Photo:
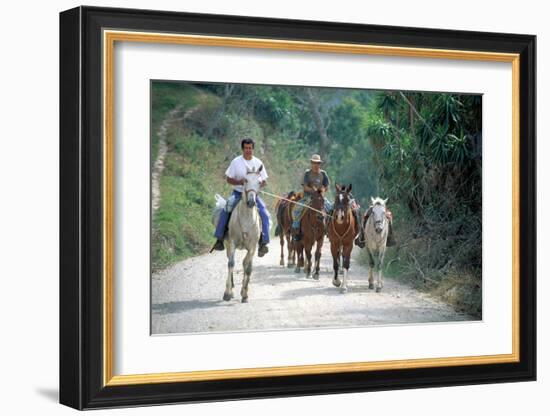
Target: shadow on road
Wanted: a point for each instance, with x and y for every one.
(176, 307)
(321, 288)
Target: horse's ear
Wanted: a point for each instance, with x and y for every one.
(372, 200)
(337, 187)
(349, 188)
(385, 200)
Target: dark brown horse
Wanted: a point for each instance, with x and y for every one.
(342, 230)
(313, 231)
(284, 221)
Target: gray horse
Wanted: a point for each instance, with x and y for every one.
(376, 235)
(243, 234)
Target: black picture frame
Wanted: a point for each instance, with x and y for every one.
(81, 201)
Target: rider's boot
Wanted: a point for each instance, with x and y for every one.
(263, 248)
(219, 246)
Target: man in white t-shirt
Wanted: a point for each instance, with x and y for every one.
(235, 174)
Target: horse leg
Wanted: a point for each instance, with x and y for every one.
(299, 248)
(308, 248)
(282, 241)
(346, 255)
(335, 259)
(318, 248)
(291, 252)
(228, 294)
(371, 267)
(379, 267)
(247, 271)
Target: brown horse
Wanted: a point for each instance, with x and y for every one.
(283, 209)
(342, 230)
(313, 231)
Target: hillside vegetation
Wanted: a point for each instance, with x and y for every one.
(198, 155)
(420, 150)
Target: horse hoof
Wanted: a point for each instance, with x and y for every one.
(336, 282)
(227, 296)
(244, 300)
(316, 276)
(308, 275)
(282, 263)
(297, 270)
(290, 266)
(343, 289)
(371, 286)
(378, 289)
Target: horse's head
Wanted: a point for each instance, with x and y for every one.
(342, 203)
(379, 214)
(318, 203)
(252, 186)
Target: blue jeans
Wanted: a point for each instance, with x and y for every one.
(231, 203)
(297, 211)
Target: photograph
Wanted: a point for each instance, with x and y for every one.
(282, 207)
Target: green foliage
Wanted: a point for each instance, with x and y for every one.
(428, 166)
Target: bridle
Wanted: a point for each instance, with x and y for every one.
(319, 215)
(384, 219)
(320, 212)
(340, 205)
(246, 191)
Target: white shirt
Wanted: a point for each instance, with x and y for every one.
(238, 167)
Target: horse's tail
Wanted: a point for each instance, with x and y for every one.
(278, 204)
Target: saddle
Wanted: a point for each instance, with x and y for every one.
(301, 209)
(367, 213)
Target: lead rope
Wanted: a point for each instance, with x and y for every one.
(295, 202)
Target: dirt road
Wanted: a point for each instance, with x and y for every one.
(187, 298)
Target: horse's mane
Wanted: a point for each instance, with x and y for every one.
(378, 201)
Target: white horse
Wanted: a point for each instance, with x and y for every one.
(376, 235)
(243, 233)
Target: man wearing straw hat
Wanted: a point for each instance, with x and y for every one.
(314, 179)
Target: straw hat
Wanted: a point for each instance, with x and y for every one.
(316, 158)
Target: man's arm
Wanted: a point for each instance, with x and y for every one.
(230, 173)
(326, 182)
(232, 181)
